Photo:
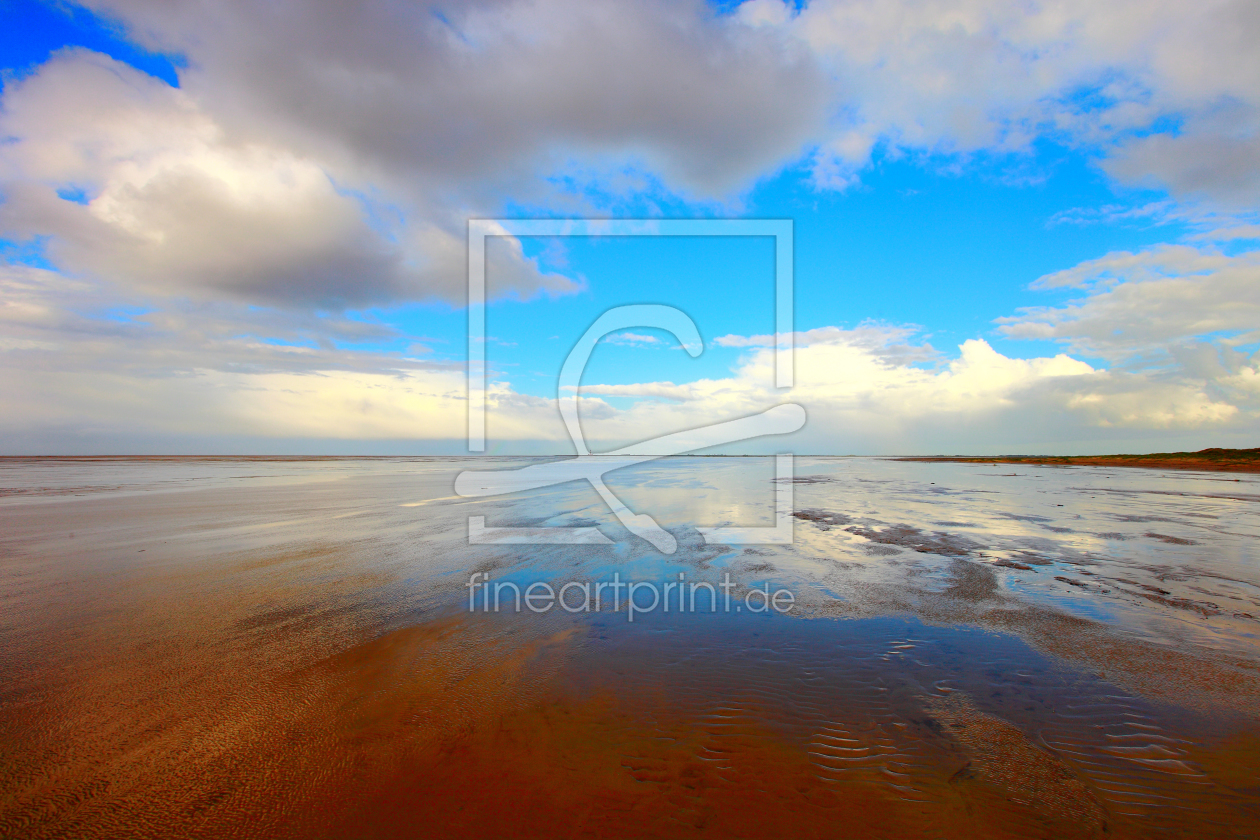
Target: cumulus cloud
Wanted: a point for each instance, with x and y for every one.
(328, 155)
(71, 362)
(1196, 165)
(960, 76)
(320, 156)
(453, 93)
(203, 371)
(861, 401)
(1137, 303)
(136, 184)
(440, 95)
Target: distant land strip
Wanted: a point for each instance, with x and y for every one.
(1223, 460)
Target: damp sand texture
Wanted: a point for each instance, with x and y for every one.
(283, 648)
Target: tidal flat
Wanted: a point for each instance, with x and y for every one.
(284, 647)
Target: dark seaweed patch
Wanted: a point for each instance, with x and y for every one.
(1169, 539)
(906, 536)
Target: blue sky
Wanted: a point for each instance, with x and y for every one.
(33, 31)
(913, 245)
(236, 233)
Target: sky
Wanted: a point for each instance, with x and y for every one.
(241, 228)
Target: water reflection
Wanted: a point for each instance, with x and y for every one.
(283, 648)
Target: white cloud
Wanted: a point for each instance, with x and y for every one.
(662, 390)
(973, 75)
(178, 206)
(78, 326)
(462, 95)
(860, 401)
(632, 339)
(323, 155)
(71, 365)
(1145, 302)
(889, 343)
(1230, 233)
(208, 372)
(448, 95)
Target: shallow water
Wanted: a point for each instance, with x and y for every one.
(284, 647)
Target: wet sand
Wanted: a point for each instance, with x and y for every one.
(236, 648)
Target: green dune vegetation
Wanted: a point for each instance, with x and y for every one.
(1225, 460)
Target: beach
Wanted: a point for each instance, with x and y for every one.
(289, 647)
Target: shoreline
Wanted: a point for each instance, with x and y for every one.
(1207, 460)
